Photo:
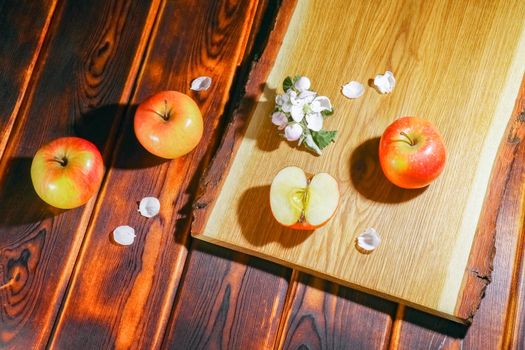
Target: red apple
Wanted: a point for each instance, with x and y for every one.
(168, 124)
(303, 203)
(67, 172)
(411, 152)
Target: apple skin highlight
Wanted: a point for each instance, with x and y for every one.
(67, 172)
(412, 153)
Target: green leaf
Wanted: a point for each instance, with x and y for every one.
(326, 113)
(287, 84)
(323, 138)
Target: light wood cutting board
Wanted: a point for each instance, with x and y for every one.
(457, 63)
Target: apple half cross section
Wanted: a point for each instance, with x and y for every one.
(301, 202)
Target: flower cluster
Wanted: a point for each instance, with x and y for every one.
(300, 112)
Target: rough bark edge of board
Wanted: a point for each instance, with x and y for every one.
(478, 273)
(262, 60)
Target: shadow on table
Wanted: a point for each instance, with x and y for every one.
(368, 178)
(258, 225)
(96, 125)
(435, 324)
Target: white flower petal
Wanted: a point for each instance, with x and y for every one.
(279, 100)
(368, 241)
(309, 140)
(353, 89)
(307, 95)
(385, 83)
(287, 107)
(321, 103)
(280, 119)
(303, 83)
(293, 132)
(201, 83)
(296, 100)
(149, 207)
(391, 78)
(314, 121)
(297, 113)
(124, 235)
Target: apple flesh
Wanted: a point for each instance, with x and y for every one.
(303, 203)
(67, 172)
(168, 124)
(411, 152)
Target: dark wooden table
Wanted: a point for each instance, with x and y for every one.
(70, 67)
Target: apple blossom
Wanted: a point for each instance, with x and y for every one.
(301, 113)
(302, 84)
(293, 132)
(280, 119)
(314, 121)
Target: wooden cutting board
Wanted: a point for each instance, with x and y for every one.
(458, 64)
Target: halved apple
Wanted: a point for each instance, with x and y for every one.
(301, 202)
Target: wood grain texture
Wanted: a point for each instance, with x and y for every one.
(494, 325)
(324, 315)
(128, 304)
(78, 85)
(23, 26)
(419, 42)
(227, 300)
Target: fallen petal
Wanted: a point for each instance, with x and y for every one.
(353, 89)
(385, 83)
(368, 241)
(149, 207)
(124, 235)
(201, 83)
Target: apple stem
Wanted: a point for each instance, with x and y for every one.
(167, 113)
(62, 161)
(410, 141)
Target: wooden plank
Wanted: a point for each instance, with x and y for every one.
(502, 219)
(130, 302)
(240, 310)
(227, 300)
(83, 78)
(23, 26)
(463, 57)
(324, 315)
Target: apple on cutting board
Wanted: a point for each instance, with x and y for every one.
(411, 152)
(168, 124)
(67, 172)
(301, 202)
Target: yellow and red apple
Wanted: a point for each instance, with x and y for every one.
(411, 152)
(67, 172)
(168, 124)
(301, 202)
